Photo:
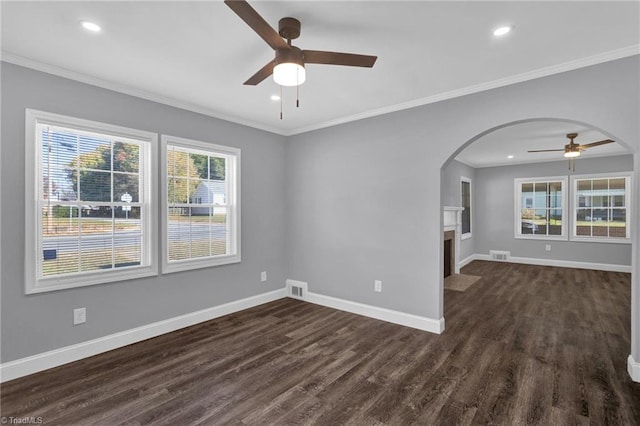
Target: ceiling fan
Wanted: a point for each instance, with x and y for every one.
(288, 66)
(572, 149)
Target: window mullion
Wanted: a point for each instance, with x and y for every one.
(78, 241)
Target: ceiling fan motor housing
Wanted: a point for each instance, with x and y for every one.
(293, 55)
(289, 28)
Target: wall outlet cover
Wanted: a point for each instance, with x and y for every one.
(79, 316)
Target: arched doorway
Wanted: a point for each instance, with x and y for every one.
(499, 236)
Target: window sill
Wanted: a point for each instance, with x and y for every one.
(601, 240)
(542, 237)
(44, 285)
(466, 236)
(189, 264)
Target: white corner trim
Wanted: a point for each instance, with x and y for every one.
(32, 364)
(555, 262)
(396, 317)
(468, 260)
(634, 369)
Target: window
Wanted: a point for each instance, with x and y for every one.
(540, 208)
(88, 203)
(201, 184)
(601, 207)
(465, 192)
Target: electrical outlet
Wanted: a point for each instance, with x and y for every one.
(79, 316)
(547, 247)
(377, 286)
(263, 276)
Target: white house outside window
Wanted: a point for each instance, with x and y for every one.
(88, 205)
(540, 208)
(601, 207)
(201, 184)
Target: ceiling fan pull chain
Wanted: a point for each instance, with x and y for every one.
(280, 102)
(297, 93)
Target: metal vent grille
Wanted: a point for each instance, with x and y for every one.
(296, 291)
(499, 255)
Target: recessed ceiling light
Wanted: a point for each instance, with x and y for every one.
(500, 31)
(91, 26)
(509, 157)
(275, 97)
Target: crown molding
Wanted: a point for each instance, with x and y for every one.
(128, 90)
(518, 78)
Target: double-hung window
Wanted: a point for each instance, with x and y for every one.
(601, 207)
(465, 192)
(201, 213)
(541, 208)
(89, 207)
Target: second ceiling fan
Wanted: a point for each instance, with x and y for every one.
(572, 149)
(288, 66)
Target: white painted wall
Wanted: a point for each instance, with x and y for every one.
(495, 213)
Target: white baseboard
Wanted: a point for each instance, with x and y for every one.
(634, 369)
(32, 364)
(396, 317)
(464, 262)
(554, 262)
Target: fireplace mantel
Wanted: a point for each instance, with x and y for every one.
(452, 220)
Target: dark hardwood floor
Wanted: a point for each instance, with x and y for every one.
(523, 345)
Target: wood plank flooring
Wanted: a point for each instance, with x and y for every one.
(523, 345)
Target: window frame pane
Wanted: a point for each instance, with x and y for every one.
(597, 216)
(36, 281)
(467, 203)
(197, 201)
(540, 202)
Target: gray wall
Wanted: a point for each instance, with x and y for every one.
(360, 201)
(364, 198)
(451, 196)
(495, 212)
(41, 322)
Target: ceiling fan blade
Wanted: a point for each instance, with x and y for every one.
(263, 73)
(249, 15)
(337, 58)
(592, 144)
(546, 150)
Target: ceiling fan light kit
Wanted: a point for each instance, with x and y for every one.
(570, 153)
(289, 69)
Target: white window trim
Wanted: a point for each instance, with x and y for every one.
(149, 267)
(628, 176)
(517, 216)
(233, 200)
(469, 234)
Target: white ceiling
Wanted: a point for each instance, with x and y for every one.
(196, 55)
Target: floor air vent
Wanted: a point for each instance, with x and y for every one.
(297, 289)
(499, 255)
